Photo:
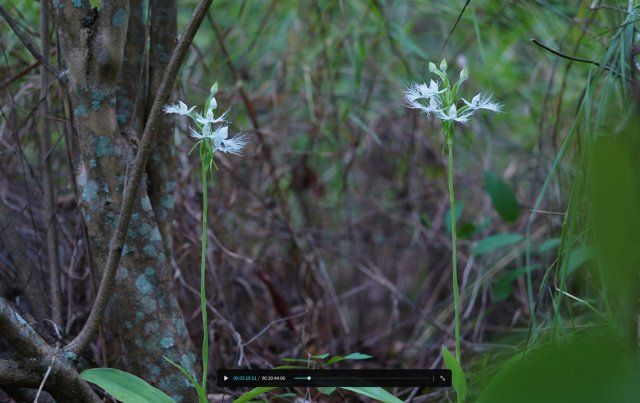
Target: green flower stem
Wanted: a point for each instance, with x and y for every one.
(203, 294)
(454, 248)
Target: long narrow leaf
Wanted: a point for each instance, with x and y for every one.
(374, 392)
(458, 379)
(255, 392)
(124, 386)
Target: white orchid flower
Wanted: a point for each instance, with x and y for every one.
(452, 114)
(434, 106)
(207, 133)
(210, 117)
(222, 142)
(234, 145)
(483, 101)
(441, 97)
(211, 132)
(219, 138)
(422, 91)
(180, 108)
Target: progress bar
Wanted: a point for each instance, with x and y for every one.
(238, 378)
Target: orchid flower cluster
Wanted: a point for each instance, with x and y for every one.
(440, 98)
(211, 132)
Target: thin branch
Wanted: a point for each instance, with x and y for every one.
(48, 372)
(90, 328)
(44, 145)
(577, 59)
(455, 25)
(568, 57)
(19, 75)
(27, 43)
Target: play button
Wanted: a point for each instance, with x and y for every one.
(226, 377)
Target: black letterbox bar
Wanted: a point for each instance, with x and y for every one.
(237, 378)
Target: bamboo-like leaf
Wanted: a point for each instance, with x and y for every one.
(352, 356)
(495, 242)
(374, 392)
(327, 390)
(502, 197)
(190, 378)
(255, 392)
(124, 386)
(458, 379)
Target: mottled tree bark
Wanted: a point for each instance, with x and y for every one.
(143, 311)
(162, 162)
(37, 356)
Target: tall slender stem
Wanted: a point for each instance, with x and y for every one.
(454, 247)
(203, 265)
(48, 184)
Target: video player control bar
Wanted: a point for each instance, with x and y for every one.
(237, 378)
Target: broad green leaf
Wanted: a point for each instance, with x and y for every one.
(458, 379)
(357, 356)
(502, 286)
(548, 245)
(255, 392)
(374, 392)
(562, 372)
(124, 386)
(495, 242)
(502, 197)
(614, 218)
(320, 356)
(327, 390)
(466, 230)
(334, 359)
(578, 257)
(352, 356)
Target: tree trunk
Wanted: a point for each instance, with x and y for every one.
(107, 86)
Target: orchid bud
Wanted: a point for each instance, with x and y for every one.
(464, 75)
(443, 65)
